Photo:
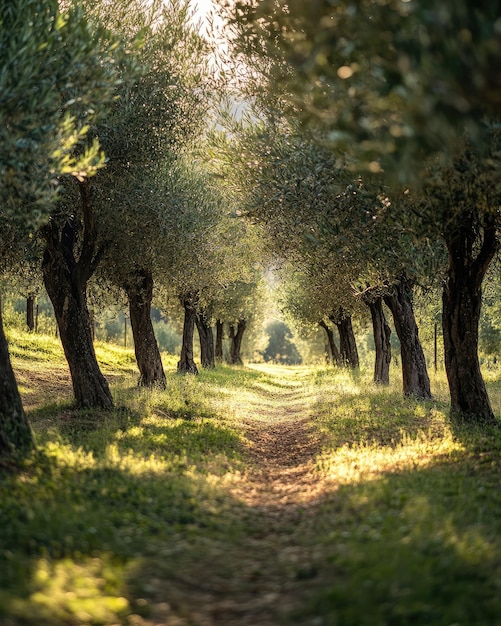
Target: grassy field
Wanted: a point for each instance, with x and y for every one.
(253, 496)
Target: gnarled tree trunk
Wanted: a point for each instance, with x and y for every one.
(334, 353)
(236, 336)
(66, 276)
(30, 312)
(186, 363)
(462, 298)
(414, 371)
(347, 342)
(206, 336)
(15, 433)
(139, 289)
(218, 354)
(382, 343)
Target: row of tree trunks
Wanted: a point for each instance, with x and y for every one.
(349, 354)
(139, 290)
(210, 351)
(414, 371)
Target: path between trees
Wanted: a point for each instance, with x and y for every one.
(282, 449)
(269, 571)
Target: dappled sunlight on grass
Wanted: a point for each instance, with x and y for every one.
(352, 463)
(64, 591)
(250, 495)
(378, 431)
(45, 348)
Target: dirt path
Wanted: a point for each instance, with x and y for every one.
(270, 570)
(269, 567)
(282, 449)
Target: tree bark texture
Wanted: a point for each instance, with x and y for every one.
(218, 353)
(139, 289)
(347, 343)
(382, 343)
(30, 312)
(15, 433)
(236, 336)
(206, 336)
(66, 276)
(461, 299)
(414, 372)
(186, 363)
(334, 353)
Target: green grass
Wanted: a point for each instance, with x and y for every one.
(132, 515)
(413, 533)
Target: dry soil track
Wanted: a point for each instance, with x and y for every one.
(269, 571)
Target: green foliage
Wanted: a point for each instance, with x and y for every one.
(151, 125)
(168, 338)
(56, 67)
(490, 322)
(383, 81)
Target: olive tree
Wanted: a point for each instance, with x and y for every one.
(201, 251)
(115, 217)
(145, 135)
(328, 223)
(404, 88)
(45, 111)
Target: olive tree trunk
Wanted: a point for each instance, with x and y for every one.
(139, 289)
(30, 312)
(68, 263)
(382, 342)
(347, 343)
(15, 433)
(186, 363)
(414, 371)
(236, 336)
(461, 299)
(206, 336)
(218, 353)
(334, 354)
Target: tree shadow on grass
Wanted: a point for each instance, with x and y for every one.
(73, 536)
(380, 418)
(412, 547)
(82, 543)
(197, 441)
